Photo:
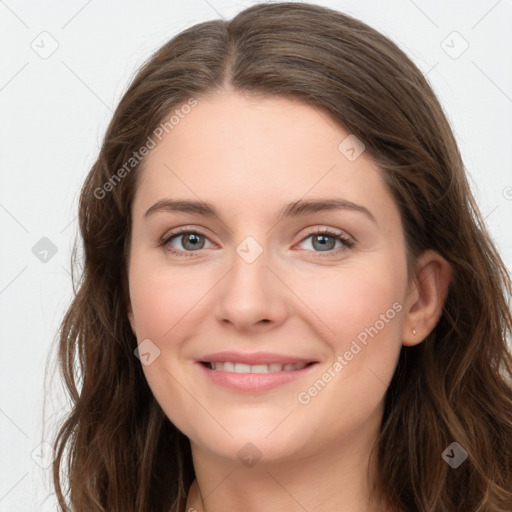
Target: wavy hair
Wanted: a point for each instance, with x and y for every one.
(116, 450)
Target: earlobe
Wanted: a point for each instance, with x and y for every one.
(426, 297)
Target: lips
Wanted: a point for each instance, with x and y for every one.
(253, 372)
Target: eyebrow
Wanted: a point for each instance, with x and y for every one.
(294, 209)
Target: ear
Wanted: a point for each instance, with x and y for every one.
(425, 297)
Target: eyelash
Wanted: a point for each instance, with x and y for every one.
(347, 242)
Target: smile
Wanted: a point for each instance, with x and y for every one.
(253, 373)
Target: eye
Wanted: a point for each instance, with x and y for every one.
(324, 240)
(189, 239)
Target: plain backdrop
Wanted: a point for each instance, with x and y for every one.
(64, 68)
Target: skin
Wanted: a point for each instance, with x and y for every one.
(249, 157)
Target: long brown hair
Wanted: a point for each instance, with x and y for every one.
(118, 450)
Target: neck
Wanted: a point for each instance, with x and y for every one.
(333, 478)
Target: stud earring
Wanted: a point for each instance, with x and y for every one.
(414, 331)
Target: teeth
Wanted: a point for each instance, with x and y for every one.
(228, 367)
(242, 368)
(255, 368)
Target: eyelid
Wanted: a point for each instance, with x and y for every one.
(320, 230)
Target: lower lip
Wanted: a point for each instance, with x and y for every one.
(254, 382)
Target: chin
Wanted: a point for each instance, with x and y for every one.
(252, 442)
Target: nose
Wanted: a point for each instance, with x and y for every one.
(252, 296)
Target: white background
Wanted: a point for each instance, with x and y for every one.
(54, 113)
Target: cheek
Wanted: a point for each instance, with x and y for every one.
(166, 305)
(352, 301)
(363, 314)
(161, 299)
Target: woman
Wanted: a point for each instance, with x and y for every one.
(289, 298)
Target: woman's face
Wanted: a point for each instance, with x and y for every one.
(268, 277)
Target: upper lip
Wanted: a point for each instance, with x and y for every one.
(253, 358)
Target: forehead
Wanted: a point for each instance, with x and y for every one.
(241, 153)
